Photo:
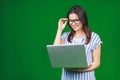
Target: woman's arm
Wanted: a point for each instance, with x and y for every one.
(58, 39)
(95, 63)
(96, 60)
(61, 25)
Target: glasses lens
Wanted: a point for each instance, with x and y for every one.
(76, 21)
(70, 21)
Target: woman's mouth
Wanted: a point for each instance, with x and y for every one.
(74, 27)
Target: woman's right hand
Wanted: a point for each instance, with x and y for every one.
(62, 23)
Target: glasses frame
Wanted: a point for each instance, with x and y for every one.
(76, 21)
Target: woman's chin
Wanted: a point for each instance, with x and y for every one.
(75, 29)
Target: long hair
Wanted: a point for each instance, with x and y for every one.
(78, 10)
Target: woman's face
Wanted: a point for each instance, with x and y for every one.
(74, 22)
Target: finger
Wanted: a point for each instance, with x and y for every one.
(65, 22)
(63, 19)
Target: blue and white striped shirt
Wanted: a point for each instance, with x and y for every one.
(92, 45)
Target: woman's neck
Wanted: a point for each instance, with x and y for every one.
(79, 34)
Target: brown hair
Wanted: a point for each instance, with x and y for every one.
(83, 18)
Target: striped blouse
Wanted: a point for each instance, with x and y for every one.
(92, 45)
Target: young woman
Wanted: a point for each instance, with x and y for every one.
(80, 34)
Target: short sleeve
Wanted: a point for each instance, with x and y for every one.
(96, 41)
(65, 35)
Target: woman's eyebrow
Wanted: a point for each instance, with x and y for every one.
(73, 19)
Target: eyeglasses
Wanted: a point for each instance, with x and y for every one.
(76, 21)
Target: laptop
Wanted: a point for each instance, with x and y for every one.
(67, 56)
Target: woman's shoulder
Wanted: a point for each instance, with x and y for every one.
(95, 37)
(94, 34)
(66, 33)
(95, 40)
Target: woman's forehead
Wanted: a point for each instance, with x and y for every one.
(73, 16)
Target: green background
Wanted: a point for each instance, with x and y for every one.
(27, 26)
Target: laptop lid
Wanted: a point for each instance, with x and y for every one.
(67, 56)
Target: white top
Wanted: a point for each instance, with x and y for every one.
(92, 45)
